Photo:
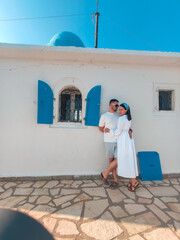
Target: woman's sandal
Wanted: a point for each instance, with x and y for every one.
(132, 188)
(129, 185)
(113, 185)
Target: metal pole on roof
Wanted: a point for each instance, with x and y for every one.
(97, 14)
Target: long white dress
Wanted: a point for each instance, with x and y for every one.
(126, 153)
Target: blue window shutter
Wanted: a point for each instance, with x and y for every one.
(45, 103)
(93, 106)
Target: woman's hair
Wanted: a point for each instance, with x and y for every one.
(128, 113)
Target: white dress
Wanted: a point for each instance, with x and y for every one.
(126, 153)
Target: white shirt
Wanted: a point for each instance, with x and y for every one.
(109, 120)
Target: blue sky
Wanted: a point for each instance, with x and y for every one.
(150, 25)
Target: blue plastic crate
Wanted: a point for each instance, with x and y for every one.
(150, 166)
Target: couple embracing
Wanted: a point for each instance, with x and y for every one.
(119, 145)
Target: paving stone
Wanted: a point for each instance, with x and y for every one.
(55, 191)
(66, 228)
(66, 181)
(177, 187)
(49, 223)
(1, 190)
(99, 191)
(175, 207)
(11, 201)
(23, 191)
(82, 197)
(39, 184)
(32, 199)
(177, 227)
(127, 192)
(144, 200)
(40, 191)
(43, 199)
(104, 228)
(96, 198)
(26, 207)
(115, 195)
(9, 185)
(51, 184)
(61, 200)
(174, 181)
(76, 184)
(174, 215)
(169, 199)
(146, 182)
(140, 223)
(143, 192)
(40, 211)
(163, 216)
(135, 208)
(24, 185)
(163, 191)
(159, 204)
(69, 191)
(89, 185)
(129, 201)
(160, 234)
(95, 208)
(72, 212)
(136, 237)
(6, 194)
(65, 204)
(51, 204)
(118, 212)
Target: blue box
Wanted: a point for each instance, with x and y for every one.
(150, 166)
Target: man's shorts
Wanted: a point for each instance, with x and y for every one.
(111, 149)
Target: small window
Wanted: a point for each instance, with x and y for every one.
(166, 102)
(70, 105)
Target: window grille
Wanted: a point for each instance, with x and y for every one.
(165, 100)
(70, 105)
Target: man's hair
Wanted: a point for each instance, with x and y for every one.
(113, 100)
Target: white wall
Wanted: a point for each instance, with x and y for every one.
(29, 149)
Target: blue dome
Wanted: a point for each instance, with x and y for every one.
(66, 39)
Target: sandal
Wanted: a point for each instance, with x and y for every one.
(129, 185)
(113, 185)
(132, 188)
(104, 180)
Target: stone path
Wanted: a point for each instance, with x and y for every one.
(87, 209)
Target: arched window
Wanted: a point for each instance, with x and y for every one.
(70, 105)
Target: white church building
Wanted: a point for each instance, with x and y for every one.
(51, 98)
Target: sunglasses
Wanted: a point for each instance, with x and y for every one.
(116, 105)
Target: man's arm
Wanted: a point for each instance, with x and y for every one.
(101, 129)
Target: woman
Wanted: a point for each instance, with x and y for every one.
(126, 154)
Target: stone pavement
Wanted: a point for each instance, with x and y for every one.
(87, 209)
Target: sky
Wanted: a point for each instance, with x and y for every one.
(150, 25)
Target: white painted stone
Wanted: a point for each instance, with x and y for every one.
(163, 191)
(23, 191)
(174, 215)
(163, 216)
(43, 199)
(40, 192)
(115, 195)
(143, 192)
(175, 207)
(51, 184)
(117, 211)
(6, 194)
(169, 199)
(82, 197)
(49, 223)
(104, 228)
(69, 191)
(66, 228)
(160, 234)
(39, 184)
(134, 208)
(11, 201)
(95, 208)
(98, 192)
(159, 204)
(61, 200)
(140, 223)
(72, 212)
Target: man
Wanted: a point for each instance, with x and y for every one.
(109, 120)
